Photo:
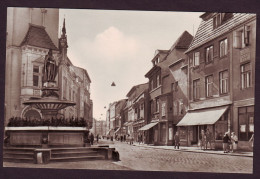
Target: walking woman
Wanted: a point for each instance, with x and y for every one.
(234, 142)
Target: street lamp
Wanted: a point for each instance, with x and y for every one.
(113, 84)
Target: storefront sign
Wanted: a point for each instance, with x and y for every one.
(251, 128)
(170, 133)
(242, 128)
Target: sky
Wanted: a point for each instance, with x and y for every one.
(118, 46)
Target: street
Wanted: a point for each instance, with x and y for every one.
(155, 159)
(150, 159)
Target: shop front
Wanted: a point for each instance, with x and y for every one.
(148, 132)
(136, 126)
(214, 120)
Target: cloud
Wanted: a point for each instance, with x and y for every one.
(111, 45)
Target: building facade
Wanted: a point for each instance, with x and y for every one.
(221, 77)
(31, 32)
(168, 89)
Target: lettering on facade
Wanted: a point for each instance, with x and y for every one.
(244, 55)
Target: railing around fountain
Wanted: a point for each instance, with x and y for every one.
(56, 122)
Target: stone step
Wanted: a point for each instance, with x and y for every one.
(18, 160)
(73, 154)
(18, 155)
(54, 150)
(73, 159)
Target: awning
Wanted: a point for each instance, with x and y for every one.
(109, 131)
(117, 130)
(202, 116)
(148, 126)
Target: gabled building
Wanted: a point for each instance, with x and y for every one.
(163, 83)
(119, 117)
(221, 77)
(31, 32)
(132, 94)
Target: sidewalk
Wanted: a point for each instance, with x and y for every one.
(197, 150)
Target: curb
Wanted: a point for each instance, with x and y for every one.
(186, 150)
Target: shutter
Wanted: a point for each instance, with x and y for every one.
(237, 42)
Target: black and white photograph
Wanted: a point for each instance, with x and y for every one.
(129, 90)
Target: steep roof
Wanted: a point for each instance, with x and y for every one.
(183, 41)
(38, 37)
(206, 32)
(139, 87)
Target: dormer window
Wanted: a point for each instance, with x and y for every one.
(217, 20)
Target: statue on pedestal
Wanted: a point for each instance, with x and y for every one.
(50, 68)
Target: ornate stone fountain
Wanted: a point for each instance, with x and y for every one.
(49, 104)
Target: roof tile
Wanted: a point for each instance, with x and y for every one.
(37, 36)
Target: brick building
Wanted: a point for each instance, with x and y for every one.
(221, 77)
(165, 81)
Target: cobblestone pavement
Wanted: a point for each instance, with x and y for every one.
(155, 159)
(94, 165)
(152, 159)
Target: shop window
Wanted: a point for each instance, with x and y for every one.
(209, 54)
(223, 48)
(209, 86)
(223, 82)
(245, 76)
(221, 126)
(196, 91)
(246, 122)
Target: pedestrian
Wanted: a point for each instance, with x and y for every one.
(91, 139)
(252, 140)
(97, 138)
(131, 140)
(208, 139)
(139, 138)
(176, 140)
(226, 141)
(234, 142)
(202, 140)
(124, 138)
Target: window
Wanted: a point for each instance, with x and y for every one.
(157, 105)
(196, 59)
(217, 20)
(209, 54)
(242, 37)
(246, 122)
(196, 92)
(223, 82)
(176, 86)
(223, 48)
(173, 86)
(163, 108)
(65, 88)
(36, 75)
(209, 86)
(245, 76)
(158, 80)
